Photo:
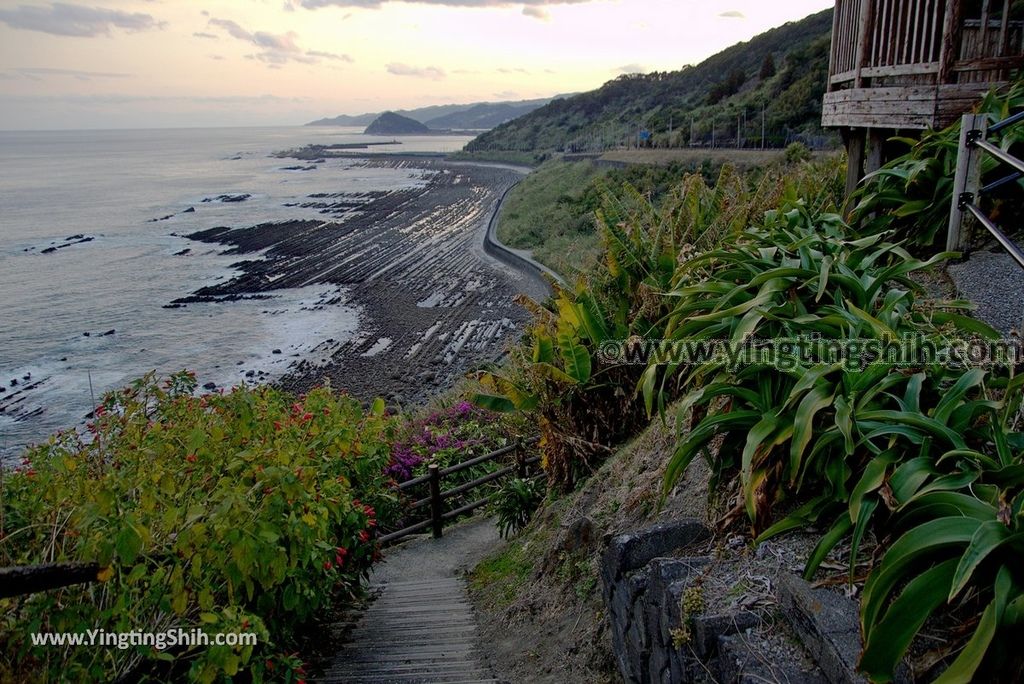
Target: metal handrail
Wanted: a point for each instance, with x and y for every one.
(1000, 237)
(967, 188)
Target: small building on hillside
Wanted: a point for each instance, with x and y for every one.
(906, 65)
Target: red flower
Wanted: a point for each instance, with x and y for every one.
(364, 536)
(327, 565)
(307, 417)
(191, 458)
(327, 411)
(100, 411)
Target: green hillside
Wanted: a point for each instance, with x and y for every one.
(783, 70)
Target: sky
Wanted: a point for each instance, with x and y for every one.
(184, 63)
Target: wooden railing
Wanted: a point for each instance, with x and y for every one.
(436, 497)
(927, 42)
(18, 581)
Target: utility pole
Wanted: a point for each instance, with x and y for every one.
(762, 125)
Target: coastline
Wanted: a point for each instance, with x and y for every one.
(434, 287)
(428, 292)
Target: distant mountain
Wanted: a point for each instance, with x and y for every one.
(483, 116)
(782, 71)
(346, 120)
(390, 123)
(479, 115)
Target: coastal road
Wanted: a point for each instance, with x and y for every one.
(434, 287)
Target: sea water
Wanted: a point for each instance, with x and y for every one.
(114, 187)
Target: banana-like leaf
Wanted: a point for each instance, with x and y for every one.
(543, 349)
(575, 358)
(494, 403)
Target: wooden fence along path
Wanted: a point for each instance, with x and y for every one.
(421, 627)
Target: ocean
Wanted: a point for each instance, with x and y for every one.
(91, 226)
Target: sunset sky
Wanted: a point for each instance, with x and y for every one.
(167, 63)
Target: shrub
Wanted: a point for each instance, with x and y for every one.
(796, 153)
(242, 512)
(873, 445)
(911, 195)
(515, 503)
(559, 373)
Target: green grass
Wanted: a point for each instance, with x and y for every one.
(504, 574)
(530, 159)
(544, 214)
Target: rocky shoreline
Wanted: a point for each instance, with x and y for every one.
(433, 302)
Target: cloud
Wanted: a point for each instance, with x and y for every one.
(507, 95)
(201, 34)
(276, 49)
(232, 27)
(40, 73)
(536, 13)
(329, 55)
(399, 69)
(377, 4)
(63, 19)
(733, 14)
(632, 69)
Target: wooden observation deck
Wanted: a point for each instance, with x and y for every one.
(914, 64)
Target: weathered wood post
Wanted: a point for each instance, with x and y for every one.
(966, 181)
(520, 460)
(436, 502)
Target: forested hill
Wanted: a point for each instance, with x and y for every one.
(783, 70)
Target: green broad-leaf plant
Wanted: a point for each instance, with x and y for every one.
(910, 196)
(239, 512)
(849, 444)
(583, 395)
